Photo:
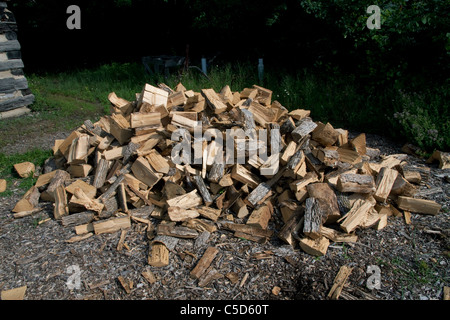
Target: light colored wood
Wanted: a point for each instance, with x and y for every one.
(339, 282)
(402, 187)
(325, 134)
(323, 191)
(111, 225)
(305, 127)
(2, 185)
(329, 156)
(442, 157)
(299, 114)
(298, 185)
(359, 144)
(248, 93)
(153, 96)
(149, 276)
(176, 99)
(25, 169)
(158, 162)
(356, 215)
(126, 285)
(89, 191)
(120, 128)
(65, 145)
(446, 294)
(241, 174)
(214, 101)
(412, 176)
(80, 198)
(14, 294)
(385, 181)
(61, 209)
(84, 228)
(407, 217)
(260, 217)
(186, 201)
(79, 150)
(263, 95)
(342, 137)
(419, 205)
(262, 114)
(79, 170)
(337, 236)
(317, 247)
(359, 183)
(117, 101)
(44, 179)
(152, 119)
(79, 237)
(349, 156)
(29, 200)
(180, 214)
(204, 262)
(144, 172)
(288, 152)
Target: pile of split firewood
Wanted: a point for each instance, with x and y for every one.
(121, 170)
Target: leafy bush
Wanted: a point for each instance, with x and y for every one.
(424, 119)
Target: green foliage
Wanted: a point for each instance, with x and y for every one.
(424, 119)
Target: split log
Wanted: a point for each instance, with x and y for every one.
(186, 201)
(214, 101)
(144, 172)
(210, 213)
(25, 169)
(339, 282)
(61, 209)
(111, 225)
(305, 127)
(287, 232)
(201, 187)
(2, 185)
(329, 203)
(260, 217)
(180, 214)
(356, 215)
(385, 181)
(88, 190)
(418, 205)
(358, 183)
(317, 247)
(29, 200)
(325, 134)
(241, 174)
(313, 218)
(159, 256)
(204, 262)
(77, 219)
(101, 172)
(337, 236)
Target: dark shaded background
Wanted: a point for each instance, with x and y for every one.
(280, 31)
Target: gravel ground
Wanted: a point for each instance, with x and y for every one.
(412, 261)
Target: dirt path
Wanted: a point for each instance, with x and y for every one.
(412, 260)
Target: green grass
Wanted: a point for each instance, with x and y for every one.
(13, 180)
